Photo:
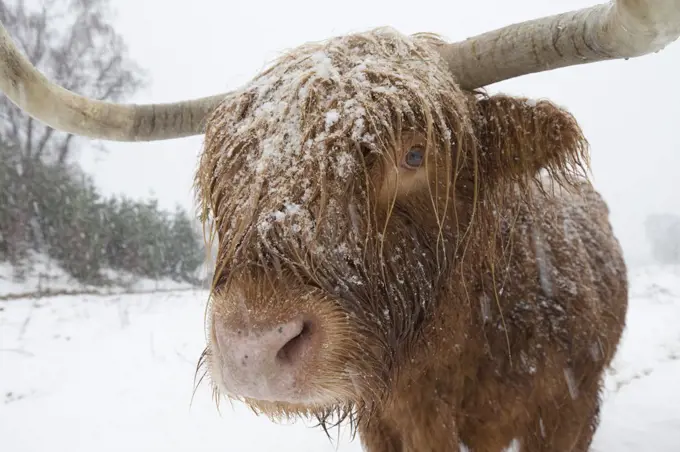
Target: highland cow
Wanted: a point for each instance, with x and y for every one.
(397, 248)
(429, 261)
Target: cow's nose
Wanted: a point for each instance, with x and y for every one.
(266, 363)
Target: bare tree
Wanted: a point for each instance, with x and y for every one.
(73, 42)
(75, 45)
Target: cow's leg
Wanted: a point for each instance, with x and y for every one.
(379, 436)
(568, 426)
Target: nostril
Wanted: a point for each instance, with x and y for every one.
(295, 348)
(269, 362)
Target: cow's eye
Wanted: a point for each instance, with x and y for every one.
(414, 157)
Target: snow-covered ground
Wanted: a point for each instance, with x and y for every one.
(115, 373)
(44, 276)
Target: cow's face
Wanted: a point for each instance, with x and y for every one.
(343, 183)
(329, 177)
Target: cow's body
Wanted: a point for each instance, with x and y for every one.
(562, 290)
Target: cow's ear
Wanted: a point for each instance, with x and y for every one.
(518, 137)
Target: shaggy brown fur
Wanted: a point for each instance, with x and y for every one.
(476, 299)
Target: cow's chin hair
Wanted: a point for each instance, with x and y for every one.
(346, 379)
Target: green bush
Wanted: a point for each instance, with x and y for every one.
(57, 210)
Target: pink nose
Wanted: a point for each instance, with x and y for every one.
(266, 364)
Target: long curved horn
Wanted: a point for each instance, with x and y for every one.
(69, 112)
(618, 29)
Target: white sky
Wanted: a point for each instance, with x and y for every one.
(629, 110)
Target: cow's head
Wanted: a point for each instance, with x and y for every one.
(342, 182)
(347, 181)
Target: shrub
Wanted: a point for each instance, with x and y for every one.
(56, 209)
